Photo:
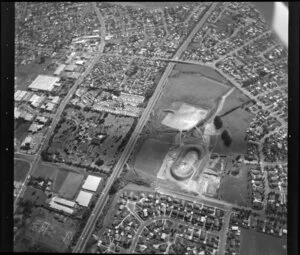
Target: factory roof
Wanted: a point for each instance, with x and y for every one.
(84, 198)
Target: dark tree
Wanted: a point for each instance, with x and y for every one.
(226, 138)
(218, 122)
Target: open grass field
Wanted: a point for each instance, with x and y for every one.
(60, 175)
(21, 129)
(59, 180)
(202, 70)
(71, 185)
(233, 189)
(21, 169)
(46, 171)
(261, 244)
(150, 156)
(235, 99)
(236, 123)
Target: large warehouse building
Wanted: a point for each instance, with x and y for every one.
(44, 83)
(91, 183)
(84, 198)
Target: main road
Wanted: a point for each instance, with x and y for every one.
(65, 101)
(87, 231)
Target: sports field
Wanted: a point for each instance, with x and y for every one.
(261, 244)
(71, 185)
(46, 171)
(61, 176)
(21, 169)
(150, 156)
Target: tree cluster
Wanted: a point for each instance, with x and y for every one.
(226, 138)
(218, 122)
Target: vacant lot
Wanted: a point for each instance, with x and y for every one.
(21, 169)
(261, 244)
(233, 189)
(150, 156)
(71, 185)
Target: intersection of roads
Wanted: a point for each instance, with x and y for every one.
(35, 159)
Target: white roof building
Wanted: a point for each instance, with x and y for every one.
(91, 183)
(60, 207)
(59, 69)
(63, 201)
(84, 198)
(44, 82)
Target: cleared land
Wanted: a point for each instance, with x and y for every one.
(185, 118)
(21, 169)
(261, 244)
(71, 185)
(234, 188)
(150, 156)
(187, 85)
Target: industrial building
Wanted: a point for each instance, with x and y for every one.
(91, 183)
(44, 83)
(63, 201)
(59, 69)
(84, 198)
(59, 207)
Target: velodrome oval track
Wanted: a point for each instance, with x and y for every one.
(87, 231)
